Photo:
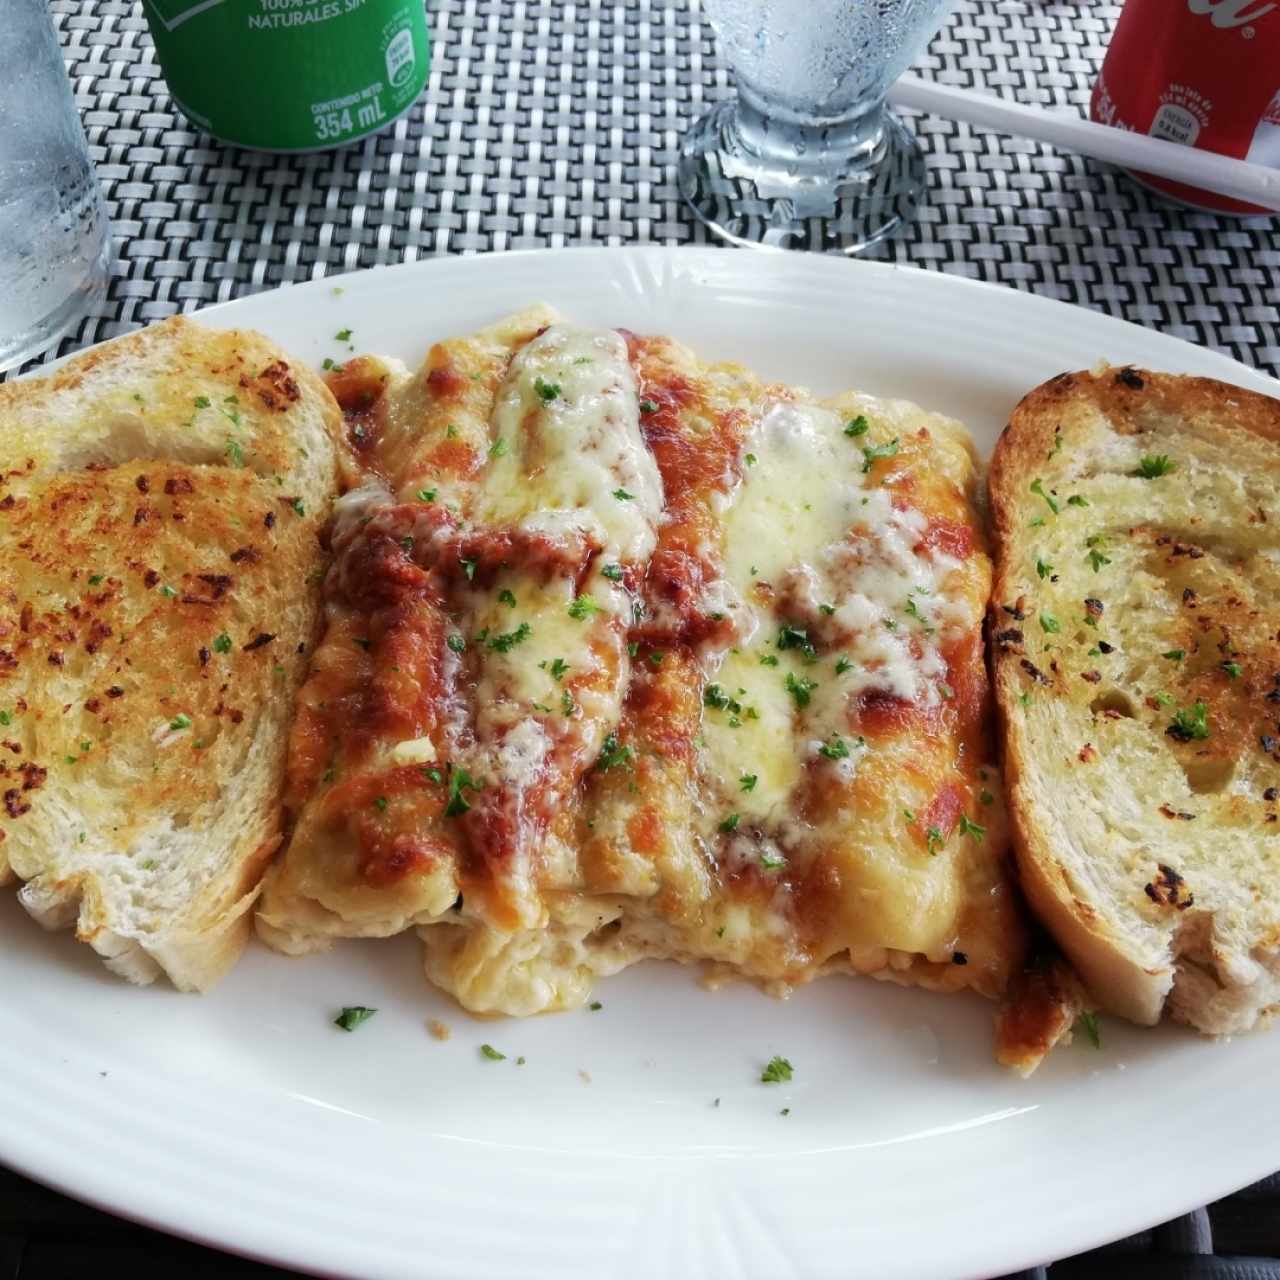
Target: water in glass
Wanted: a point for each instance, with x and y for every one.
(54, 246)
(806, 154)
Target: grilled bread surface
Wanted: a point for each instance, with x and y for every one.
(1135, 628)
(160, 504)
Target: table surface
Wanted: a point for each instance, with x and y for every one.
(555, 122)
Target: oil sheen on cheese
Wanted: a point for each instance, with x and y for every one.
(814, 544)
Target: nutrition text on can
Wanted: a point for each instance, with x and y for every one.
(291, 75)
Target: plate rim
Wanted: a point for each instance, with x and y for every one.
(60, 1173)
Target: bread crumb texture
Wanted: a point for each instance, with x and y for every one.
(1136, 635)
(160, 500)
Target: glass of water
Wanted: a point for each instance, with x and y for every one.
(807, 155)
(54, 243)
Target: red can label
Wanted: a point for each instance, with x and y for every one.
(1203, 73)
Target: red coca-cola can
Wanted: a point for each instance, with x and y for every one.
(1203, 73)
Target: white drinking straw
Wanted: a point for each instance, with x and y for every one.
(1253, 183)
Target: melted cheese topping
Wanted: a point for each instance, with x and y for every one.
(708, 668)
(567, 440)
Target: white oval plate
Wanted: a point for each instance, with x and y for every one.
(637, 1141)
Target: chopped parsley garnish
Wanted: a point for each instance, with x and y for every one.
(874, 453)
(343, 335)
(1174, 655)
(1043, 568)
(731, 823)
(714, 696)
(488, 1051)
(1233, 670)
(613, 572)
(778, 1071)
(1057, 443)
(934, 839)
(1037, 487)
(469, 568)
(648, 406)
(426, 495)
(768, 660)
(381, 804)
(633, 648)
(1077, 500)
(583, 607)
(836, 749)
(858, 426)
(842, 665)
(1089, 1021)
(909, 814)
(968, 828)
(456, 643)
(790, 637)
(1097, 559)
(296, 504)
(1049, 623)
(1154, 465)
(913, 609)
(557, 668)
(169, 593)
(406, 543)
(235, 454)
(202, 402)
(507, 598)
(800, 688)
(747, 782)
(547, 391)
(655, 658)
(1189, 724)
(622, 495)
(770, 861)
(595, 1006)
(1164, 699)
(433, 775)
(567, 704)
(498, 448)
(508, 640)
(6, 717)
(460, 779)
(751, 459)
(352, 1016)
(826, 609)
(180, 721)
(612, 755)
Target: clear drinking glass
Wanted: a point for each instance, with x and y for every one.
(806, 155)
(54, 243)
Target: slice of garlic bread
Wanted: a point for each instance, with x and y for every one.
(1135, 629)
(160, 504)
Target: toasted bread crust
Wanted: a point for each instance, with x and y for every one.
(161, 499)
(1063, 436)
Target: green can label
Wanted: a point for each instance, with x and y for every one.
(291, 75)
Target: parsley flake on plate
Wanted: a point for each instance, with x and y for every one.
(778, 1071)
(352, 1016)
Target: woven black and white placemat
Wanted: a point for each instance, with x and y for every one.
(555, 122)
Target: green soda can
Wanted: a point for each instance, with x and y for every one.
(291, 75)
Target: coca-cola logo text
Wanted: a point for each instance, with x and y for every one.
(1230, 13)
